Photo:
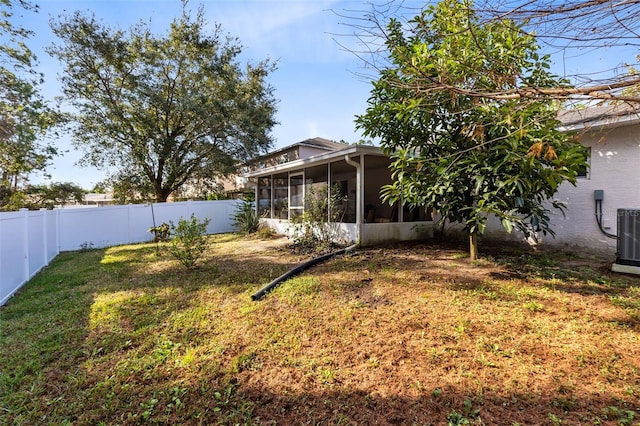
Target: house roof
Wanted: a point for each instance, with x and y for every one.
(597, 117)
(322, 143)
(329, 157)
(93, 197)
(316, 142)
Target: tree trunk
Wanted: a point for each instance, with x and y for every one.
(161, 196)
(473, 245)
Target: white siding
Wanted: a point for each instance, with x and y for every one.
(309, 151)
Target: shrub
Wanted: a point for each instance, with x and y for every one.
(245, 219)
(188, 241)
(316, 230)
(160, 232)
(265, 233)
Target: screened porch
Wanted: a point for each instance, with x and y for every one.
(355, 176)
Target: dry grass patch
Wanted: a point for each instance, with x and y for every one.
(410, 334)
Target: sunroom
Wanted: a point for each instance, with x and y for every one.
(357, 172)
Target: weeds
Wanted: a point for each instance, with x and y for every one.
(299, 287)
(177, 395)
(246, 362)
(468, 416)
(534, 306)
(408, 334)
(624, 417)
(86, 246)
(555, 420)
(234, 410)
(265, 233)
(148, 408)
(317, 229)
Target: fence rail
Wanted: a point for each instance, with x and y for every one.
(29, 240)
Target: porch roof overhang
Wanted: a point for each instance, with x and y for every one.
(317, 160)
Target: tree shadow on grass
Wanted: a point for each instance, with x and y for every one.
(438, 406)
(244, 401)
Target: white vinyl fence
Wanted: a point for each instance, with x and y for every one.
(29, 240)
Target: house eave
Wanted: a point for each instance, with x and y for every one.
(599, 124)
(316, 160)
(609, 118)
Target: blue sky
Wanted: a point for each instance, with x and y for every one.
(316, 84)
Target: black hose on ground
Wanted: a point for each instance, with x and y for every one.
(298, 269)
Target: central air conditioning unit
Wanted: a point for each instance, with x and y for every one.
(628, 241)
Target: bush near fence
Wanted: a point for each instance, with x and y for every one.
(29, 240)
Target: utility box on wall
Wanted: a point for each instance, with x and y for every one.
(628, 256)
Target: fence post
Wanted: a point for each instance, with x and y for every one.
(45, 236)
(1, 274)
(129, 213)
(25, 240)
(58, 230)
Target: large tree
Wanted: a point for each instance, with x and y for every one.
(163, 110)
(24, 115)
(52, 195)
(469, 156)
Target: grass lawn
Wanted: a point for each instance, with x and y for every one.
(410, 334)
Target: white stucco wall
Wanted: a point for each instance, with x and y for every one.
(378, 233)
(615, 168)
(370, 233)
(345, 232)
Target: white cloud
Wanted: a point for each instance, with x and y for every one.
(296, 30)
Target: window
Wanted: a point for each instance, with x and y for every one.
(280, 198)
(264, 197)
(584, 171)
(296, 194)
(284, 158)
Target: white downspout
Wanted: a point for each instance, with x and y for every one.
(329, 192)
(358, 167)
(256, 193)
(272, 190)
